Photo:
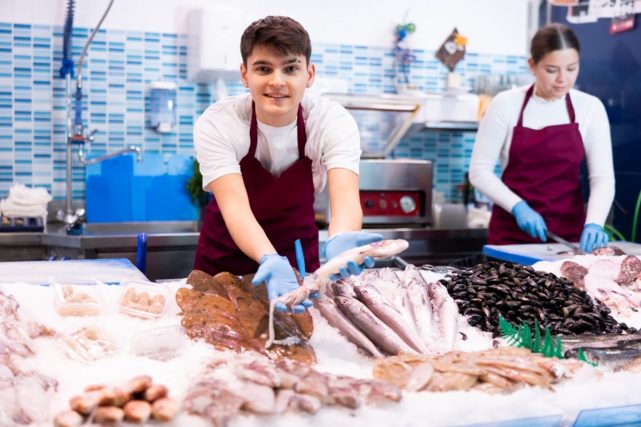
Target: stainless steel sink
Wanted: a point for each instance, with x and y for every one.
(129, 228)
(171, 244)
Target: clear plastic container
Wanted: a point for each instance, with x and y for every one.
(143, 299)
(89, 342)
(162, 343)
(78, 296)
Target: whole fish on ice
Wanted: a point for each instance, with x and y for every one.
(317, 281)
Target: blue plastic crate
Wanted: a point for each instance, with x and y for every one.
(122, 190)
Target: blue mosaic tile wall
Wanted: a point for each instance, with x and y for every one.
(121, 63)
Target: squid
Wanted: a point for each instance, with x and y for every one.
(318, 280)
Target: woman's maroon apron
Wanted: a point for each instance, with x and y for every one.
(543, 169)
(283, 206)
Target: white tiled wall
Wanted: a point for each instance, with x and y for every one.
(121, 63)
(493, 26)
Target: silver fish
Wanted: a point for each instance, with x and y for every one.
(447, 313)
(388, 314)
(600, 341)
(318, 280)
(420, 304)
(400, 298)
(343, 287)
(387, 288)
(611, 357)
(337, 319)
(381, 334)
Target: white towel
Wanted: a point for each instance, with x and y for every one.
(25, 202)
(22, 195)
(14, 210)
(478, 217)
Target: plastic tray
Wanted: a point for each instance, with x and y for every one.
(143, 299)
(78, 296)
(162, 343)
(89, 342)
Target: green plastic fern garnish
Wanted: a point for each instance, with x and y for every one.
(536, 345)
(509, 333)
(583, 358)
(522, 337)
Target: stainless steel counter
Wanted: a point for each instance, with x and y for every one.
(14, 239)
(21, 246)
(171, 246)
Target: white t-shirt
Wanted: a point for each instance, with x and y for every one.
(221, 139)
(494, 138)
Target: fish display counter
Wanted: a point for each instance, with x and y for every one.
(418, 346)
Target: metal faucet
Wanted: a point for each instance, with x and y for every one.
(75, 131)
(73, 220)
(94, 160)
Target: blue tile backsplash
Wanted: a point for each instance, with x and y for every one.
(118, 68)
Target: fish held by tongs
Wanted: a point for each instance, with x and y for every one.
(318, 280)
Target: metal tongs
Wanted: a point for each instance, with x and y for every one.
(564, 242)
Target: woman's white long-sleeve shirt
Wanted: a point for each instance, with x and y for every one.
(494, 138)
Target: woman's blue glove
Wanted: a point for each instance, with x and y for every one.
(280, 279)
(342, 242)
(592, 237)
(530, 221)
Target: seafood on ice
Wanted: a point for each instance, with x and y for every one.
(136, 401)
(499, 370)
(519, 294)
(387, 312)
(230, 313)
(25, 396)
(614, 281)
(260, 386)
(318, 281)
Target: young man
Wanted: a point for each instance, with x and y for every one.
(264, 155)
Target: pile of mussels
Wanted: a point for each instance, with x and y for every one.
(521, 294)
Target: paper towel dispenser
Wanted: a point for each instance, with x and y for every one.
(213, 46)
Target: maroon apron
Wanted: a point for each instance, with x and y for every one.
(283, 206)
(543, 169)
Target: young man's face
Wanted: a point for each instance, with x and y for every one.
(277, 83)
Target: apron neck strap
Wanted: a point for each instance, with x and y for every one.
(568, 104)
(302, 134)
(300, 129)
(528, 95)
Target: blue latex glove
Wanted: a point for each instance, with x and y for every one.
(342, 242)
(280, 279)
(592, 237)
(530, 221)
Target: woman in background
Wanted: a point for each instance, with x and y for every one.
(542, 134)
